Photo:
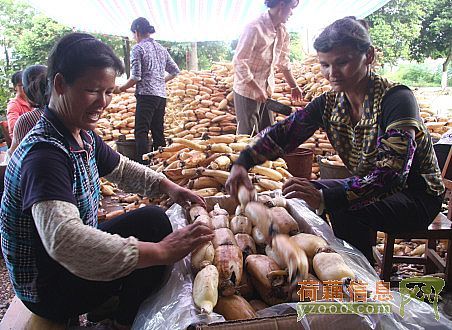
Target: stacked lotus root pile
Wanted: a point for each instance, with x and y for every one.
(203, 165)
(200, 102)
(118, 118)
(436, 124)
(239, 273)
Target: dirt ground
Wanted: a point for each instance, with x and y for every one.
(6, 290)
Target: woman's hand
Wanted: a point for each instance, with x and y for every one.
(262, 95)
(117, 90)
(302, 188)
(185, 197)
(180, 195)
(176, 245)
(181, 242)
(237, 177)
(296, 93)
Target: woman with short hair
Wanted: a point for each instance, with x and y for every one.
(62, 263)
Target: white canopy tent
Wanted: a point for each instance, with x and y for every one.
(194, 20)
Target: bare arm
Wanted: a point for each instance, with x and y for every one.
(129, 83)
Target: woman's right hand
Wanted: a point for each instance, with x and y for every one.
(237, 177)
(181, 242)
(262, 95)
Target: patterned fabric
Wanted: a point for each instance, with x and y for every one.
(261, 47)
(19, 236)
(382, 158)
(149, 61)
(26, 122)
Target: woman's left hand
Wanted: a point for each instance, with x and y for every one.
(185, 197)
(296, 94)
(302, 188)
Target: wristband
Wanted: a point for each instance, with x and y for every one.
(293, 88)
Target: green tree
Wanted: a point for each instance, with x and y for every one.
(34, 45)
(15, 18)
(395, 25)
(435, 38)
(213, 51)
(296, 47)
(26, 38)
(178, 51)
(208, 52)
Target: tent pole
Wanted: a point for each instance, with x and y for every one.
(193, 56)
(126, 48)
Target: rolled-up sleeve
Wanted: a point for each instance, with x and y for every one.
(243, 53)
(133, 177)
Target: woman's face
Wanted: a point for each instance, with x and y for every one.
(286, 10)
(135, 36)
(81, 103)
(344, 67)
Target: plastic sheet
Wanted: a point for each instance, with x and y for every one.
(173, 308)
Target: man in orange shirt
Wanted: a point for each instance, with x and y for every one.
(263, 45)
(18, 105)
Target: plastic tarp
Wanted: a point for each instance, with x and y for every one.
(193, 20)
(173, 308)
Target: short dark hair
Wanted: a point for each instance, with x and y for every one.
(77, 52)
(142, 26)
(16, 78)
(274, 3)
(347, 31)
(34, 79)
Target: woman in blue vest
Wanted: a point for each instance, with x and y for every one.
(60, 261)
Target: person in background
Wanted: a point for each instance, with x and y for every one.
(262, 47)
(34, 79)
(375, 127)
(18, 105)
(149, 62)
(61, 262)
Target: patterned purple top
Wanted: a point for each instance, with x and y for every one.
(382, 157)
(150, 61)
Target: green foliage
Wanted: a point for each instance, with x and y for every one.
(34, 44)
(178, 51)
(208, 52)
(416, 74)
(296, 47)
(414, 29)
(115, 42)
(395, 25)
(435, 38)
(26, 39)
(213, 51)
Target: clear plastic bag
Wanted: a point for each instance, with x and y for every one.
(173, 308)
